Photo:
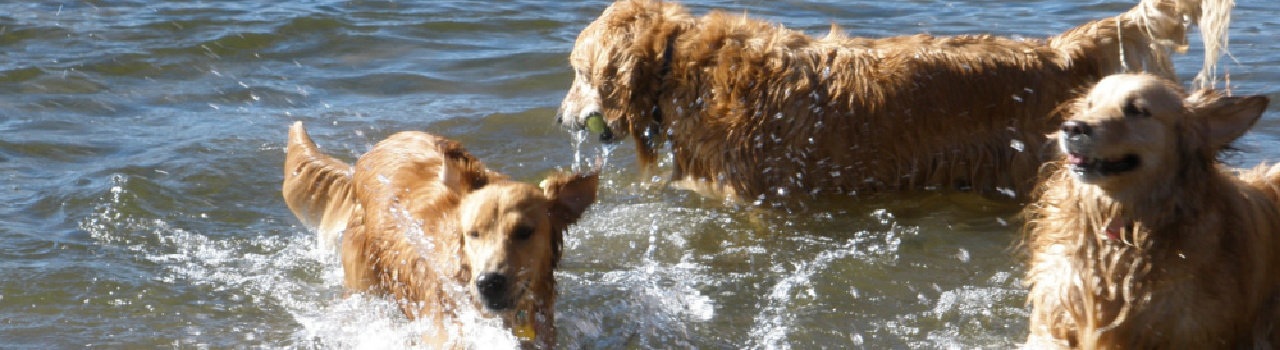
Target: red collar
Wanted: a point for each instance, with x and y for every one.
(1115, 228)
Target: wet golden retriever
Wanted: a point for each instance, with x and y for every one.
(1141, 239)
(424, 221)
(751, 109)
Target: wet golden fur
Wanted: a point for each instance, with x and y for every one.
(422, 220)
(750, 107)
(1178, 253)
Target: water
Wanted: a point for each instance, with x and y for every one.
(141, 145)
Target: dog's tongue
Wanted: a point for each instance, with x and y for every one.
(1074, 159)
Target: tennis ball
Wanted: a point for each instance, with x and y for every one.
(595, 124)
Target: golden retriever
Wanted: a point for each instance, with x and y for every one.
(424, 221)
(751, 109)
(1141, 239)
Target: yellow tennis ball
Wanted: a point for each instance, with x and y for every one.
(595, 123)
(524, 332)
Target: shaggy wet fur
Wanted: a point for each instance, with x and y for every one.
(422, 220)
(1140, 239)
(751, 108)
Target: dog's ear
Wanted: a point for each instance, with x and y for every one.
(570, 195)
(452, 177)
(1230, 117)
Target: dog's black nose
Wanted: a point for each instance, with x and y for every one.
(492, 286)
(1074, 128)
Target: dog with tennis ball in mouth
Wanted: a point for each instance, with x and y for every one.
(752, 110)
(423, 221)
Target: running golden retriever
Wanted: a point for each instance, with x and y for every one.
(423, 220)
(1140, 239)
(752, 109)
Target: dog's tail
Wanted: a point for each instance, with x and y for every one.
(1148, 34)
(317, 187)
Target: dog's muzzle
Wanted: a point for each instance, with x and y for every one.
(494, 290)
(1078, 142)
(1077, 136)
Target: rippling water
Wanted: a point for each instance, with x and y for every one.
(141, 145)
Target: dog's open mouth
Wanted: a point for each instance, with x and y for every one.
(498, 304)
(502, 303)
(1105, 167)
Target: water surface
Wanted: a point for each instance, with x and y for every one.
(141, 145)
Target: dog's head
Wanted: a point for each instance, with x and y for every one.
(1135, 128)
(618, 62)
(512, 236)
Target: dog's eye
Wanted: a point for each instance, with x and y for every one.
(522, 232)
(474, 234)
(1132, 110)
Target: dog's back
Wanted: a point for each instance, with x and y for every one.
(404, 182)
(319, 188)
(425, 172)
(409, 187)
